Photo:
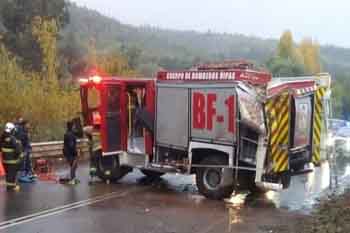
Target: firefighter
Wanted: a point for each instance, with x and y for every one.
(94, 146)
(27, 174)
(70, 152)
(12, 156)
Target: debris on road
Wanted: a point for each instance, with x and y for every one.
(331, 215)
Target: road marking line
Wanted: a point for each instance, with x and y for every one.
(53, 209)
(60, 209)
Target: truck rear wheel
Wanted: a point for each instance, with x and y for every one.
(108, 168)
(152, 174)
(209, 179)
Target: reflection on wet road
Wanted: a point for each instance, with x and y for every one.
(170, 204)
(303, 192)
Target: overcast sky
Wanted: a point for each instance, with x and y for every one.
(323, 20)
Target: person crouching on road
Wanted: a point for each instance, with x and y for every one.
(12, 156)
(70, 151)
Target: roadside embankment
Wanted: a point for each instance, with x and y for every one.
(331, 215)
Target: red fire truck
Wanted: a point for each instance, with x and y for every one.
(234, 128)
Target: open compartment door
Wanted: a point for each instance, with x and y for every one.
(113, 121)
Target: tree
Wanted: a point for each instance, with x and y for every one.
(45, 104)
(285, 48)
(18, 15)
(45, 32)
(284, 67)
(288, 60)
(113, 63)
(310, 51)
(72, 50)
(104, 63)
(148, 69)
(133, 54)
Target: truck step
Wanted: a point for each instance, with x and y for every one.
(306, 171)
(164, 168)
(270, 186)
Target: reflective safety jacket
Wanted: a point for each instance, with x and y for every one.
(96, 141)
(11, 149)
(94, 145)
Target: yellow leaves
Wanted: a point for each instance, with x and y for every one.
(45, 31)
(310, 51)
(111, 63)
(37, 97)
(285, 47)
(307, 53)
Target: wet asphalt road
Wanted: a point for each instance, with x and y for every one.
(166, 206)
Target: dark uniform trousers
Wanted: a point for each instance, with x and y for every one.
(11, 160)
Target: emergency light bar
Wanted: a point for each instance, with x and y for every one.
(94, 79)
(83, 80)
(231, 75)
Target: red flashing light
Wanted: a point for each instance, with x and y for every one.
(96, 118)
(96, 79)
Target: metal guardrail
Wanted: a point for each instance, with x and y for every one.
(55, 149)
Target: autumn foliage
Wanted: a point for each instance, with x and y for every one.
(37, 96)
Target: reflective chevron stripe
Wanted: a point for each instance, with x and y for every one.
(96, 141)
(7, 150)
(278, 114)
(12, 161)
(317, 127)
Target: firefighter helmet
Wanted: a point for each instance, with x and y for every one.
(9, 127)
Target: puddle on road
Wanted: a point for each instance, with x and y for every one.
(302, 195)
(306, 190)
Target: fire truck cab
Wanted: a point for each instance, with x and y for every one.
(233, 128)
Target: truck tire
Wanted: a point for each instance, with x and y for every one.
(152, 174)
(108, 168)
(209, 179)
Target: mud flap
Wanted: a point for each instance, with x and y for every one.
(260, 161)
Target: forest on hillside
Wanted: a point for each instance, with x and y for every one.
(52, 42)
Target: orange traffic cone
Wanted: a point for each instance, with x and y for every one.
(2, 170)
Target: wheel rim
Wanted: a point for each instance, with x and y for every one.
(212, 178)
